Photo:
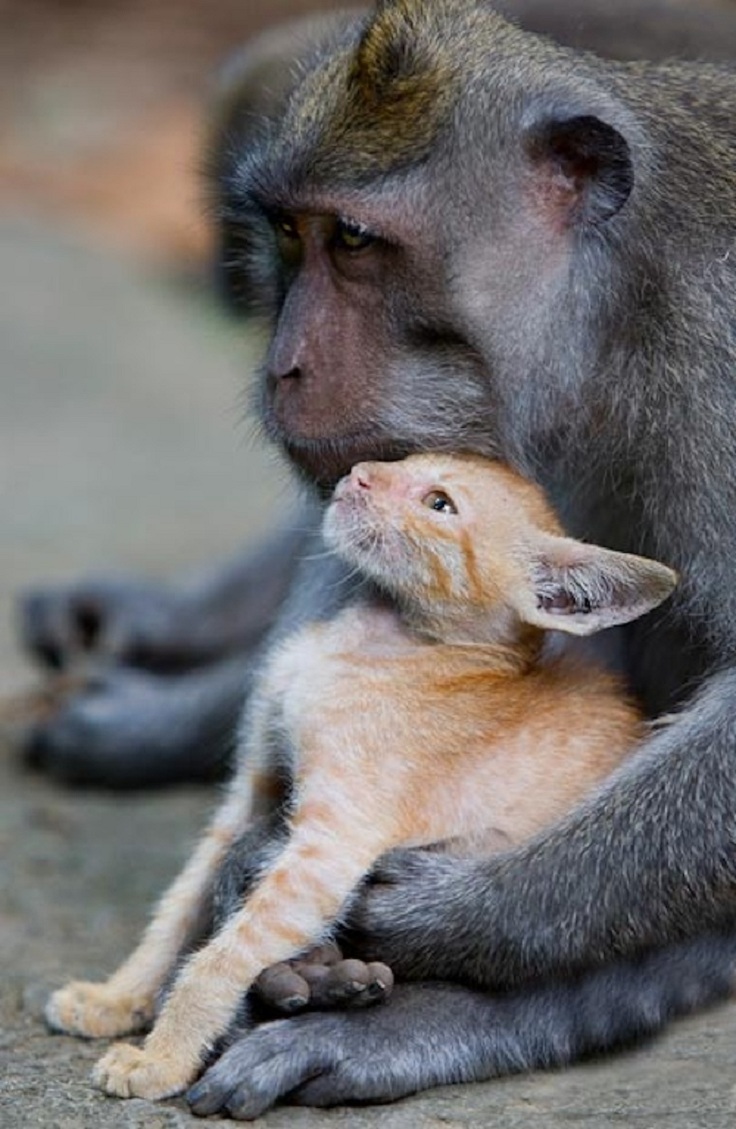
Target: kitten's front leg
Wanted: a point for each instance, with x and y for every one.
(331, 849)
(125, 1003)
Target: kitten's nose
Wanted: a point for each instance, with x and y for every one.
(360, 477)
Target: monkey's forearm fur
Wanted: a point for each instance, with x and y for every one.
(649, 860)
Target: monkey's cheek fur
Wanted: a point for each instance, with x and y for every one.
(92, 1011)
(130, 1072)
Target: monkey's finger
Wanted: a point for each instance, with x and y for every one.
(380, 982)
(46, 627)
(281, 989)
(346, 984)
(326, 954)
(354, 984)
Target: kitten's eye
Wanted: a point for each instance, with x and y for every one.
(352, 236)
(440, 502)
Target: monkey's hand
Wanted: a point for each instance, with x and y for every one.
(322, 980)
(138, 622)
(406, 914)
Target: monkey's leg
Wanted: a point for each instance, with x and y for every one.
(164, 627)
(330, 849)
(433, 1034)
(129, 729)
(126, 1001)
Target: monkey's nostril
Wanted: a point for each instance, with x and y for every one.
(279, 379)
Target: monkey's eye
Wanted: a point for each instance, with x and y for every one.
(440, 502)
(352, 236)
(286, 228)
(288, 240)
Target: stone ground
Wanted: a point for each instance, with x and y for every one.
(120, 444)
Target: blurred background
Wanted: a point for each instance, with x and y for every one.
(124, 444)
(123, 391)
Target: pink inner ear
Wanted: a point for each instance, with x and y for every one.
(556, 197)
(582, 169)
(561, 603)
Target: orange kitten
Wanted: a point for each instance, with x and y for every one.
(438, 717)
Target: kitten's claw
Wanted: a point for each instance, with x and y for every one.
(93, 1011)
(133, 1072)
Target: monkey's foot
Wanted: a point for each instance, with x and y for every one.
(322, 979)
(133, 1072)
(94, 1011)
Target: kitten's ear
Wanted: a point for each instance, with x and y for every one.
(582, 589)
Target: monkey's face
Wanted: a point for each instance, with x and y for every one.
(364, 362)
(412, 239)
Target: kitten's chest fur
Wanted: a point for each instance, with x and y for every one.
(442, 735)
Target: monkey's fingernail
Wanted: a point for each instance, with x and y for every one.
(382, 979)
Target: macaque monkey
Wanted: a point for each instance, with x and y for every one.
(428, 713)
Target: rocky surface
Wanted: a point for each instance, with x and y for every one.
(120, 444)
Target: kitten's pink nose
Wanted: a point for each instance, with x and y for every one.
(360, 477)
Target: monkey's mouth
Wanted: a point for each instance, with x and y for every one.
(325, 461)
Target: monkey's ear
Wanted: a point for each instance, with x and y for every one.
(582, 589)
(584, 165)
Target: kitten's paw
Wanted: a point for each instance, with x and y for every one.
(94, 1011)
(133, 1072)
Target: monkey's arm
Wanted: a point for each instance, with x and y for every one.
(433, 1034)
(132, 727)
(649, 860)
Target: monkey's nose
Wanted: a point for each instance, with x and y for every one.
(278, 376)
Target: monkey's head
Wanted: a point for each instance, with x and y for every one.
(418, 221)
(472, 551)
